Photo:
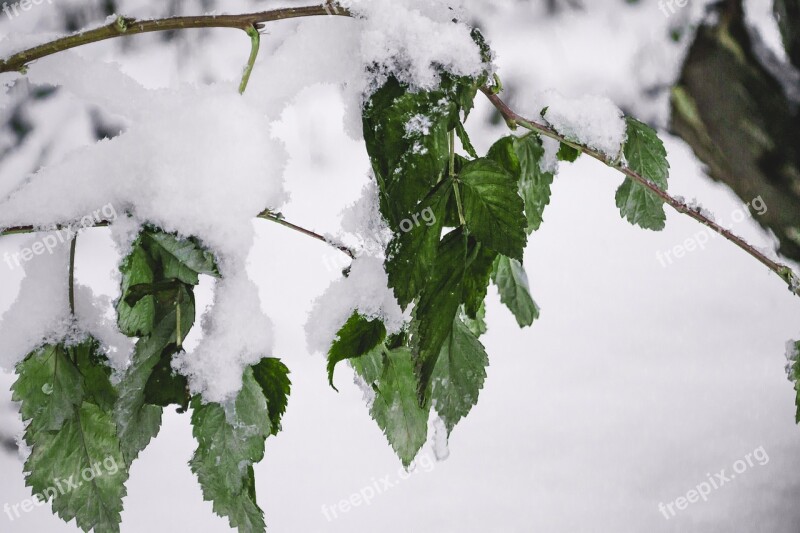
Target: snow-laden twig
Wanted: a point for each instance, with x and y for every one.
(264, 215)
(513, 120)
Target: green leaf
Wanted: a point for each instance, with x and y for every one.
(93, 367)
(273, 377)
(493, 209)
(229, 443)
(162, 291)
(136, 269)
(49, 388)
(512, 284)
(793, 371)
(476, 277)
(395, 408)
(411, 254)
(459, 375)
(183, 259)
(645, 153)
(568, 153)
(138, 421)
(370, 365)
(75, 459)
(463, 136)
(534, 185)
(358, 336)
(476, 325)
(438, 305)
(166, 387)
(83, 457)
(504, 153)
(407, 164)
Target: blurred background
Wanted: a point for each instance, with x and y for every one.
(639, 382)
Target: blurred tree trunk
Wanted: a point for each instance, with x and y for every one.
(732, 106)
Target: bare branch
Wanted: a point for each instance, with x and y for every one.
(124, 27)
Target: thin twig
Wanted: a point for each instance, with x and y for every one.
(125, 26)
(513, 119)
(265, 215)
(255, 44)
(72, 246)
(269, 215)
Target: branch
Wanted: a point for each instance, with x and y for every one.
(269, 215)
(125, 26)
(513, 119)
(72, 274)
(265, 215)
(255, 44)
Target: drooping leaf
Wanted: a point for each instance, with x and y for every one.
(504, 153)
(136, 269)
(645, 153)
(406, 135)
(463, 136)
(438, 305)
(230, 441)
(395, 408)
(512, 284)
(370, 365)
(358, 336)
(476, 277)
(534, 184)
(85, 452)
(49, 388)
(273, 377)
(138, 421)
(182, 259)
(478, 324)
(493, 209)
(459, 375)
(411, 254)
(75, 461)
(568, 153)
(166, 387)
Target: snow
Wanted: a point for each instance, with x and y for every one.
(195, 160)
(365, 290)
(439, 439)
(792, 354)
(40, 314)
(414, 39)
(364, 225)
(96, 316)
(549, 161)
(593, 121)
(236, 334)
(613, 50)
(418, 125)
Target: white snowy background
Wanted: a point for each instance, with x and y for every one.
(636, 383)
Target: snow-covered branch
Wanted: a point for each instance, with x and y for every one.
(513, 119)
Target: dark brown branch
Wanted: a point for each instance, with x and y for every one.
(124, 26)
(513, 119)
